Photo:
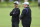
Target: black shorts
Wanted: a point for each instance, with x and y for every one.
(38, 4)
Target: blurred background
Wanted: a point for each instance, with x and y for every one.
(9, 3)
(6, 7)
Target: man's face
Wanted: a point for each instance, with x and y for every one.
(25, 5)
(16, 5)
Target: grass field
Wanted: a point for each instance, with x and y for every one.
(5, 18)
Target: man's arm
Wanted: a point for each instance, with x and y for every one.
(17, 12)
(11, 13)
(23, 13)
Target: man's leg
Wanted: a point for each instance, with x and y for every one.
(26, 25)
(13, 24)
(16, 24)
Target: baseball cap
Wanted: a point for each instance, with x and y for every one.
(26, 3)
(16, 2)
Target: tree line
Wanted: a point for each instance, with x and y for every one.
(17, 0)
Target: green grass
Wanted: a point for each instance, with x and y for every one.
(5, 18)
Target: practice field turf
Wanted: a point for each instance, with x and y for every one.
(5, 18)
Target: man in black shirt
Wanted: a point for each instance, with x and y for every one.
(26, 15)
(15, 15)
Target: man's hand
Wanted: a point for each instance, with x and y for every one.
(13, 13)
